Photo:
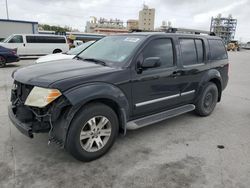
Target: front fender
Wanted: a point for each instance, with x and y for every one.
(88, 92)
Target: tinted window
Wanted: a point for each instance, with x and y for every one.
(189, 56)
(45, 39)
(16, 39)
(217, 50)
(192, 51)
(161, 48)
(200, 50)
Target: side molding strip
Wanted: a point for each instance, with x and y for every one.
(187, 93)
(156, 100)
(164, 98)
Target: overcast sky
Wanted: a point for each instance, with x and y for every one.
(182, 13)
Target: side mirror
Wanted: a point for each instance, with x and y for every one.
(151, 62)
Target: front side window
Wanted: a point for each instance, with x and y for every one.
(114, 50)
(16, 39)
(162, 48)
(217, 50)
(192, 51)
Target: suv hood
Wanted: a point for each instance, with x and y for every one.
(45, 74)
(54, 57)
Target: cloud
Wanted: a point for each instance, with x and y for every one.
(189, 14)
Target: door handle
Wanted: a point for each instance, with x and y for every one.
(23, 44)
(177, 73)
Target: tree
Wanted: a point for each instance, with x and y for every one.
(57, 29)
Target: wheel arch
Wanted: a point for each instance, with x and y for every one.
(83, 95)
(105, 93)
(57, 50)
(217, 82)
(213, 76)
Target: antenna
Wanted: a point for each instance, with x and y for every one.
(7, 11)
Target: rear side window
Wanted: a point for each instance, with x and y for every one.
(16, 39)
(192, 51)
(200, 50)
(45, 39)
(162, 48)
(217, 50)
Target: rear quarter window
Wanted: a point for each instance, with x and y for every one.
(217, 49)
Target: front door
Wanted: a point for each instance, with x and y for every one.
(18, 42)
(156, 89)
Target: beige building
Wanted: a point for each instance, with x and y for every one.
(146, 18)
(132, 25)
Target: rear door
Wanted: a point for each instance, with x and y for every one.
(193, 64)
(155, 89)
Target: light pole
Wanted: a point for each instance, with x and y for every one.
(7, 11)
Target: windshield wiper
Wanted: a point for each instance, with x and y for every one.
(77, 57)
(97, 61)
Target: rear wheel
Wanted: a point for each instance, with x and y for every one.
(57, 51)
(207, 100)
(2, 61)
(92, 132)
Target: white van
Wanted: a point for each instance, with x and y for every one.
(31, 44)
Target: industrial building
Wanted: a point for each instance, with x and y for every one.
(224, 27)
(146, 18)
(105, 26)
(132, 25)
(8, 27)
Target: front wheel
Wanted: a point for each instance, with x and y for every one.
(207, 100)
(92, 132)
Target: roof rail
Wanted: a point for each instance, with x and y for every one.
(190, 31)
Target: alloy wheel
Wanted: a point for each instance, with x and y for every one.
(95, 133)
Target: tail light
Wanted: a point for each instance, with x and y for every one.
(14, 51)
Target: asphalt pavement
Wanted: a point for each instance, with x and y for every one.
(185, 151)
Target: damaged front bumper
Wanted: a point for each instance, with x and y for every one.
(22, 127)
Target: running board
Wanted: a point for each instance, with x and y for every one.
(142, 122)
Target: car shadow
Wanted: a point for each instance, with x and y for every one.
(11, 65)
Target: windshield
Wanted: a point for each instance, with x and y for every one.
(8, 38)
(114, 50)
(78, 49)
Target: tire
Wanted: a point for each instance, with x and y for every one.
(89, 147)
(57, 51)
(208, 100)
(2, 61)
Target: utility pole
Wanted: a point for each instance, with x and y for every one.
(7, 11)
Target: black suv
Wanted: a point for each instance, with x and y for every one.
(120, 82)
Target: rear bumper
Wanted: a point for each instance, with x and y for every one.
(22, 127)
(13, 59)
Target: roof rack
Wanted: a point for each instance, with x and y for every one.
(190, 31)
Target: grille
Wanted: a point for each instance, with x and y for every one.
(21, 91)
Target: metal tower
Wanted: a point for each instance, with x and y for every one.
(224, 27)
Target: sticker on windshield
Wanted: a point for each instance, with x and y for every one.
(130, 39)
